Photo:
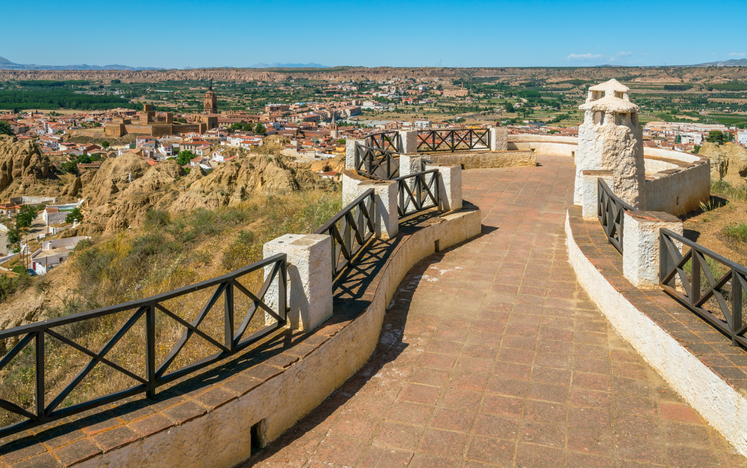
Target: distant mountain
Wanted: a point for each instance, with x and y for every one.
(725, 63)
(287, 65)
(6, 64)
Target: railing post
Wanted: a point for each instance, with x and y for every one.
(228, 309)
(283, 289)
(641, 254)
(736, 308)
(695, 278)
(40, 374)
(150, 350)
(663, 258)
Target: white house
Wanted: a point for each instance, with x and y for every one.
(53, 253)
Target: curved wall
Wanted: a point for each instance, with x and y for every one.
(222, 437)
(676, 182)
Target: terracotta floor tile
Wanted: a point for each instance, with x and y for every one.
(522, 370)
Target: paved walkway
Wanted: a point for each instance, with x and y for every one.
(491, 355)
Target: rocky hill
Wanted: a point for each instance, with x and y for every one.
(121, 192)
(117, 203)
(728, 162)
(24, 169)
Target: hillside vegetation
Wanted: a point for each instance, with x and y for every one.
(167, 252)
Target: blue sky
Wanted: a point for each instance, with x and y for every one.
(234, 33)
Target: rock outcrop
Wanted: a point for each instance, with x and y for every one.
(116, 203)
(728, 162)
(22, 164)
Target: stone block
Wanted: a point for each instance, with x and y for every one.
(450, 186)
(387, 218)
(350, 152)
(498, 139)
(410, 164)
(641, 245)
(409, 141)
(590, 193)
(309, 286)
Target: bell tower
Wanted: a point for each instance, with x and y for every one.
(210, 102)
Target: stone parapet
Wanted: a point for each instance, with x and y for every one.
(590, 190)
(409, 141)
(498, 139)
(449, 185)
(309, 281)
(387, 218)
(641, 245)
(484, 159)
(350, 152)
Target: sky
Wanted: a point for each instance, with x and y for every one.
(235, 33)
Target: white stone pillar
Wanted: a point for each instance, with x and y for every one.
(590, 193)
(409, 141)
(309, 286)
(350, 152)
(498, 139)
(410, 164)
(449, 185)
(641, 245)
(387, 218)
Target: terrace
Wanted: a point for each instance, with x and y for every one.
(495, 350)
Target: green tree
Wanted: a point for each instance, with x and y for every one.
(25, 216)
(510, 107)
(696, 149)
(14, 238)
(84, 159)
(184, 157)
(260, 129)
(5, 128)
(75, 215)
(715, 136)
(70, 167)
(104, 144)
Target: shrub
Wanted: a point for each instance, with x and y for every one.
(241, 252)
(736, 232)
(156, 218)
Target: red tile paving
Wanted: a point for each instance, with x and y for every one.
(492, 355)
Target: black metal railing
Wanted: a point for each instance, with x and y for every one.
(710, 285)
(611, 214)
(376, 163)
(153, 374)
(418, 192)
(350, 230)
(389, 141)
(453, 139)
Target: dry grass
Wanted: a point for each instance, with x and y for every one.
(165, 254)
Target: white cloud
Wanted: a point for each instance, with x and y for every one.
(584, 57)
(619, 55)
(737, 54)
(597, 57)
